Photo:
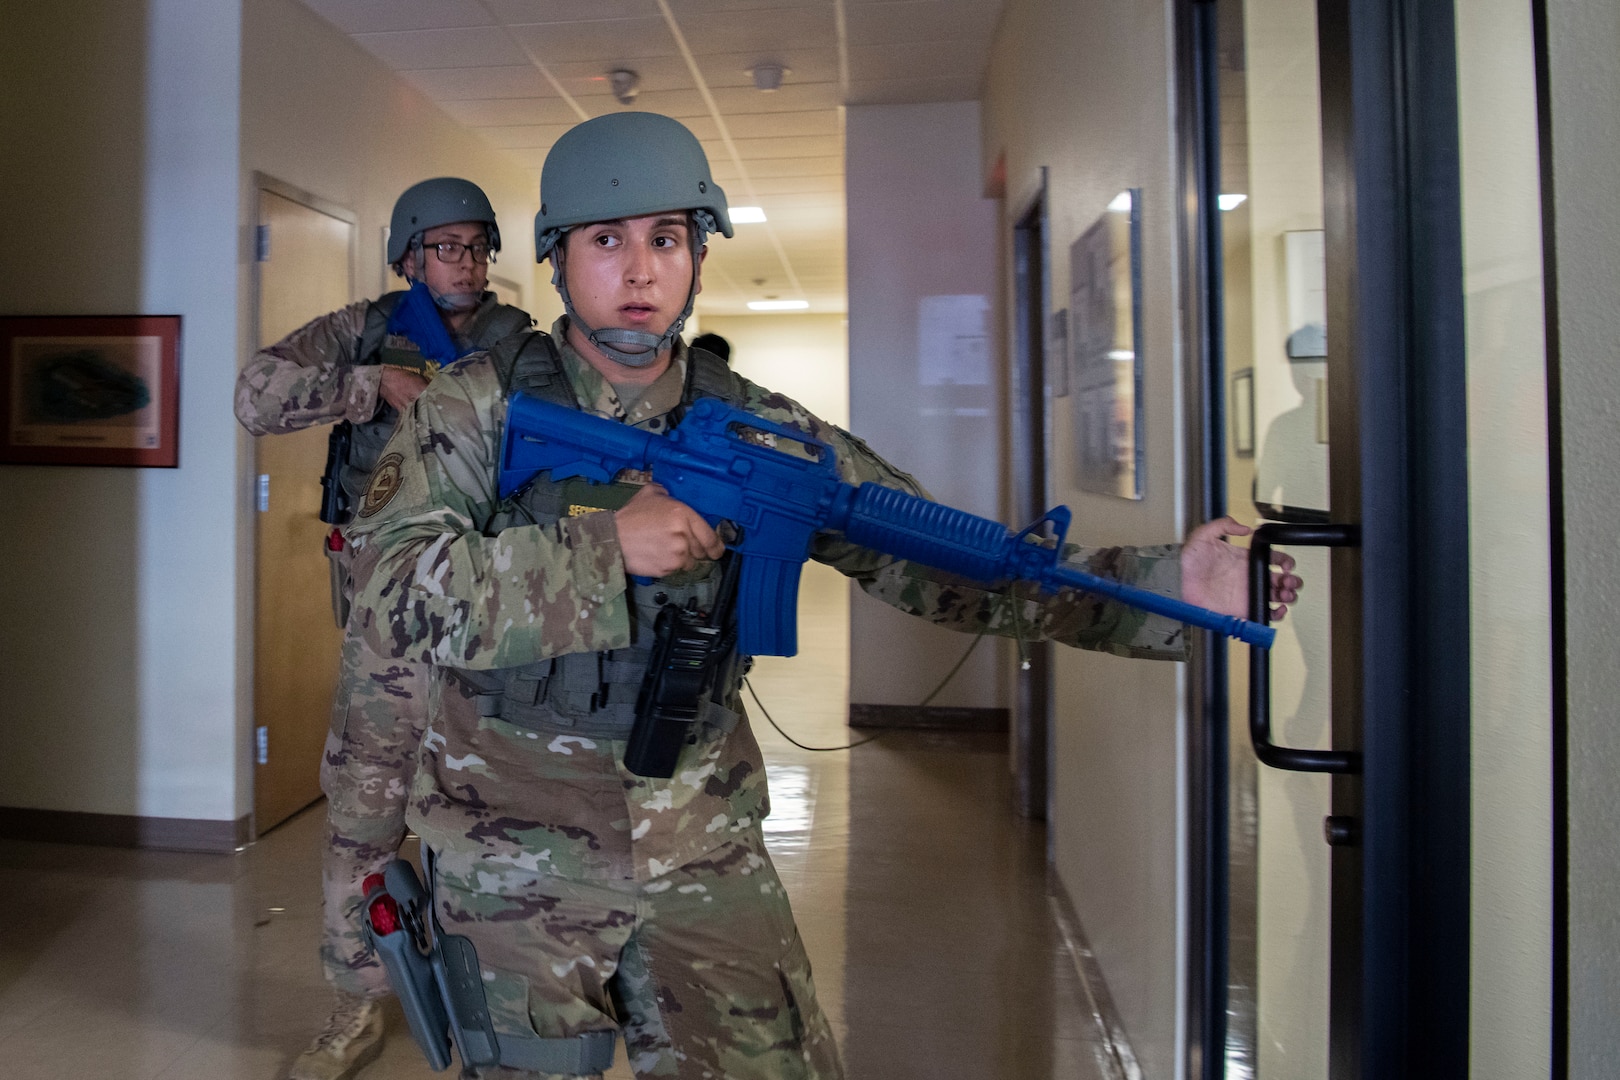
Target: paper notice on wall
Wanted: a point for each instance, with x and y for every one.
(953, 340)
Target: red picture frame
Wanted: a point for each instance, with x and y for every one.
(90, 390)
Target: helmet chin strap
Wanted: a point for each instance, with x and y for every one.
(608, 339)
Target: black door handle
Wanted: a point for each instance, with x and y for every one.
(1286, 757)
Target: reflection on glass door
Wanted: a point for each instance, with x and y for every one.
(1276, 354)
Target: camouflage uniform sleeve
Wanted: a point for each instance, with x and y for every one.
(435, 588)
(1083, 620)
(309, 377)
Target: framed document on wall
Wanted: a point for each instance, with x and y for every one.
(1105, 300)
(90, 390)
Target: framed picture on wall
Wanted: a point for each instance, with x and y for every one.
(1105, 302)
(90, 390)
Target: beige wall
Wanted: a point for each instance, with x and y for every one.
(125, 656)
(1509, 585)
(1585, 99)
(1100, 117)
(118, 685)
(805, 357)
(321, 114)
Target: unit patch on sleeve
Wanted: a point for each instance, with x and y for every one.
(384, 484)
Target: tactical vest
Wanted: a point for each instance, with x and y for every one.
(594, 694)
(364, 442)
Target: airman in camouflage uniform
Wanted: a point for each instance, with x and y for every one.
(598, 898)
(357, 367)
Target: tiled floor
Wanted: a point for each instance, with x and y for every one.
(921, 901)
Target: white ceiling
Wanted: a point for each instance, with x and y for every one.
(521, 72)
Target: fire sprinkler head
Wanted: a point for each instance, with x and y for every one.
(626, 85)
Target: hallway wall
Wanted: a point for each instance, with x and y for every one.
(321, 114)
(1100, 118)
(1510, 618)
(805, 357)
(125, 654)
(1585, 98)
(923, 387)
(117, 650)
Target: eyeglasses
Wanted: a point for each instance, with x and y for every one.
(449, 251)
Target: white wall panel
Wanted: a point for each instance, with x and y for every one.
(921, 282)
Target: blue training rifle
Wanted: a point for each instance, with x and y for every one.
(777, 499)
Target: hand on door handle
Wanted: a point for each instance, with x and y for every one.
(1215, 575)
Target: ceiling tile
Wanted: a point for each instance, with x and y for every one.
(766, 125)
(423, 49)
(913, 20)
(792, 97)
(763, 34)
(471, 83)
(514, 12)
(829, 164)
(770, 187)
(610, 42)
(531, 159)
(789, 144)
(506, 112)
(680, 104)
(370, 16)
(524, 136)
(958, 58)
(801, 146)
(589, 76)
(913, 91)
(808, 63)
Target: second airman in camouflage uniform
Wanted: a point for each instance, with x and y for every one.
(357, 367)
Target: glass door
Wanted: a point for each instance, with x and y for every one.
(1333, 372)
(1276, 359)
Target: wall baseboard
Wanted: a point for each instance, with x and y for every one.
(124, 830)
(1120, 1058)
(927, 718)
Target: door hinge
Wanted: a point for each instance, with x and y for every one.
(264, 493)
(262, 738)
(261, 243)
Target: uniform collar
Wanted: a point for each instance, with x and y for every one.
(594, 394)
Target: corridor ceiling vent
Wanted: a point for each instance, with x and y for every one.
(767, 77)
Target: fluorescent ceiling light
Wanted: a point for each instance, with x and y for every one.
(1121, 203)
(747, 215)
(1230, 202)
(778, 305)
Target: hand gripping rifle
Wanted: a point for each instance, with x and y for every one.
(778, 499)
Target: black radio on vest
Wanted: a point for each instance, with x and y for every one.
(689, 646)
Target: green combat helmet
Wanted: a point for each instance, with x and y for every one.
(626, 165)
(444, 200)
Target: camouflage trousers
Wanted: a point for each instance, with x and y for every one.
(377, 722)
(702, 969)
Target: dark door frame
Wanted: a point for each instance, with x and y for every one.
(1208, 713)
(1392, 195)
(1031, 451)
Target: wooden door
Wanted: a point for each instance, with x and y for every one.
(304, 271)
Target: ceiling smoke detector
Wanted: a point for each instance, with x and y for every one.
(626, 85)
(767, 77)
